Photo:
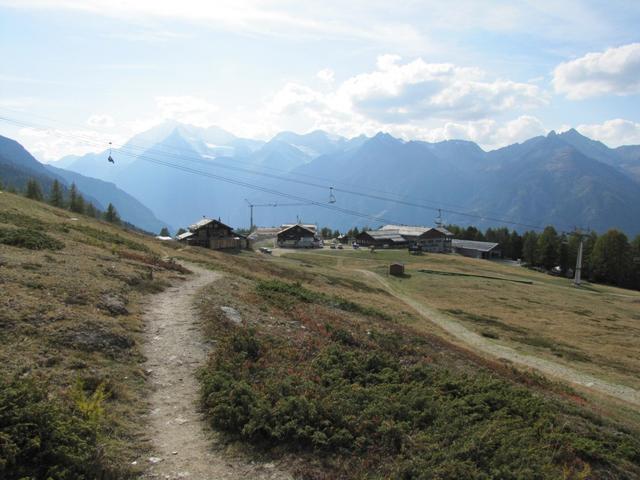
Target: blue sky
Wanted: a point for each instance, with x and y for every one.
(79, 73)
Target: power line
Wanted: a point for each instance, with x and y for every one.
(165, 150)
(129, 150)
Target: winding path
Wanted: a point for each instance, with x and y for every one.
(183, 445)
(482, 344)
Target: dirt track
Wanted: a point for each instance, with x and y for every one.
(482, 344)
(183, 446)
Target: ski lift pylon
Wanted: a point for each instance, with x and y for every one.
(332, 197)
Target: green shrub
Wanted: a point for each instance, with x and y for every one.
(108, 237)
(40, 438)
(28, 238)
(414, 420)
(285, 295)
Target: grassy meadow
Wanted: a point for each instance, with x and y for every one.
(328, 372)
(595, 328)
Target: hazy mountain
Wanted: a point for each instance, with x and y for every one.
(279, 155)
(555, 183)
(563, 178)
(130, 209)
(313, 144)
(17, 166)
(208, 142)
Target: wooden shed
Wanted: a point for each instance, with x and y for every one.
(396, 269)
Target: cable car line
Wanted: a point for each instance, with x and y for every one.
(332, 189)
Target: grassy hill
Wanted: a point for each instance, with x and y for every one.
(329, 371)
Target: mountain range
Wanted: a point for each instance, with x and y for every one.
(182, 172)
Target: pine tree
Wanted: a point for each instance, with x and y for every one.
(529, 244)
(55, 198)
(165, 232)
(91, 211)
(548, 248)
(111, 215)
(34, 192)
(73, 196)
(611, 258)
(79, 204)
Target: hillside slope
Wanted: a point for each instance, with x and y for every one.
(327, 373)
(18, 166)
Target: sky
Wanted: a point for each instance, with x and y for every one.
(76, 74)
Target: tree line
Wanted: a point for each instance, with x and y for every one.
(608, 258)
(71, 200)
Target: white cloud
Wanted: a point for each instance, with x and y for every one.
(100, 121)
(614, 71)
(326, 75)
(489, 133)
(188, 109)
(613, 132)
(399, 93)
(51, 144)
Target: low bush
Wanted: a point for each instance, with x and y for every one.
(360, 401)
(29, 238)
(108, 237)
(41, 438)
(286, 295)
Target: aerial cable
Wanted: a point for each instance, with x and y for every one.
(312, 184)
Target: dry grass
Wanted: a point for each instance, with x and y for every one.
(59, 322)
(595, 329)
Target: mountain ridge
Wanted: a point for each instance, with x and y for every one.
(435, 174)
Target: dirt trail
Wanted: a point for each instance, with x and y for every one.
(480, 343)
(183, 446)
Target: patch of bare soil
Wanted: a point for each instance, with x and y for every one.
(183, 445)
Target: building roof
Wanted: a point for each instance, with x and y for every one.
(264, 232)
(184, 235)
(383, 235)
(304, 227)
(206, 221)
(308, 226)
(473, 245)
(444, 230)
(409, 230)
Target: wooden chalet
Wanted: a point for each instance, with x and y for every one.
(298, 236)
(381, 239)
(213, 234)
(426, 239)
(435, 240)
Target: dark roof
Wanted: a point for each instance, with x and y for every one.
(473, 245)
(444, 230)
(383, 235)
(303, 227)
(206, 221)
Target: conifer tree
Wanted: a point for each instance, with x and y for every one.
(73, 196)
(79, 206)
(55, 198)
(165, 232)
(34, 192)
(111, 215)
(90, 210)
